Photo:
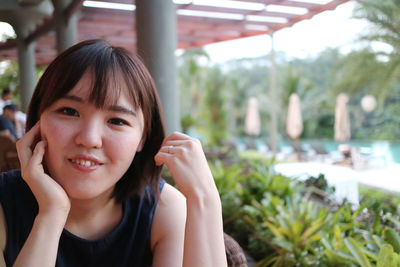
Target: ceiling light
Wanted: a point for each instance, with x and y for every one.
(266, 19)
(255, 27)
(287, 9)
(319, 2)
(230, 4)
(109, 5)
(182, 2)
(218, 15)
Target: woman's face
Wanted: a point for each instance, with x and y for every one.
(89, 149)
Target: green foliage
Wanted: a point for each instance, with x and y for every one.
(214, 113)
(191, 78)
(10, 78)
(296, 228)
(380, 202)
(275, 221)
(187, 121)
(319, 182)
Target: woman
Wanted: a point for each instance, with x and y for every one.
(89, 191)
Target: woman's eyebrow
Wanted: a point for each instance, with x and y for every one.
(117, 108)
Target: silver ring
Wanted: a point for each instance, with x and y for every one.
(169, 149)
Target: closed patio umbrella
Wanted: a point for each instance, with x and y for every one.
(342, 121)
(252, 121)
(294, 122)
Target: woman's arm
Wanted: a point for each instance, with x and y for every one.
(204, 240)
(3, 237)
(168, 229)
(40, 249)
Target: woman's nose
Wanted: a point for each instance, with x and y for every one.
(90, 134)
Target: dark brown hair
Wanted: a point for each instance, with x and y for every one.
(110, 67)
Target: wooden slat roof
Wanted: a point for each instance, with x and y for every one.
(207, 24)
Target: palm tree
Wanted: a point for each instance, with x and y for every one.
(371, 71)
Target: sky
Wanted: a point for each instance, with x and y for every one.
(307, 38)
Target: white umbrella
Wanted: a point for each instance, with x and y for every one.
(342, 121)
(252, 121)
(294, 122)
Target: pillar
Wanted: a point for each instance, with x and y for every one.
(27, 71)
(66, 27)
(273, 100)
(156, 44)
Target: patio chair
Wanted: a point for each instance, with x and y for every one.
(7, 150)
(301, 153)
(358, 161)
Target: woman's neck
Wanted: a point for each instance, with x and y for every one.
(93, 219)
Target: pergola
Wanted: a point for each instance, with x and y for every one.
(198, 22)
(154, 28)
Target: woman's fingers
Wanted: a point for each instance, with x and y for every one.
(24, 145)
(38, 153)
(187, 163)
(172, 148)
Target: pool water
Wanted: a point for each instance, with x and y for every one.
(386, 150)
(390, 151)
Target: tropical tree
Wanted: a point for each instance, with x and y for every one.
(214, 114)
(369, 70)
(192, 65)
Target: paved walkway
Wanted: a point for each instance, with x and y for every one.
(346, 179)
(386, 178)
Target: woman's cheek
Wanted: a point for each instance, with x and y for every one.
(50, 128)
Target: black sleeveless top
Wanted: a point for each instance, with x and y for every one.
(127, 245)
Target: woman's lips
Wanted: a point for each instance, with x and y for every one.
(85, 163)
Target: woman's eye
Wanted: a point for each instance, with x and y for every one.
(116, 121)
(68, 111)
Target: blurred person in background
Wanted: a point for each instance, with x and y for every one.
(6, 98)
(8, 121)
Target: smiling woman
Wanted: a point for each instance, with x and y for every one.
(89, 190)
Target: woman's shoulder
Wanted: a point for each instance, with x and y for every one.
(170, 196)
(171, 205)
(169, 219)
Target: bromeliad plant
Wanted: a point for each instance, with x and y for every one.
(296, 226)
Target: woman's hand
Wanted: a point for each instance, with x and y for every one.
(204, 239)
(51, 197)
(188, 165)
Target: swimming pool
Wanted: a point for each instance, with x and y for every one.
(389, 151)
(378, 149)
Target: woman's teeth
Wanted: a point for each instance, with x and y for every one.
(82, 162)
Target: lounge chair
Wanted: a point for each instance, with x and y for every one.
(301, 153)
(320, 152)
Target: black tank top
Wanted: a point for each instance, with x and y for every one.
(127, 245)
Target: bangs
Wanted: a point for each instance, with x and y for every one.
(107, 86)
